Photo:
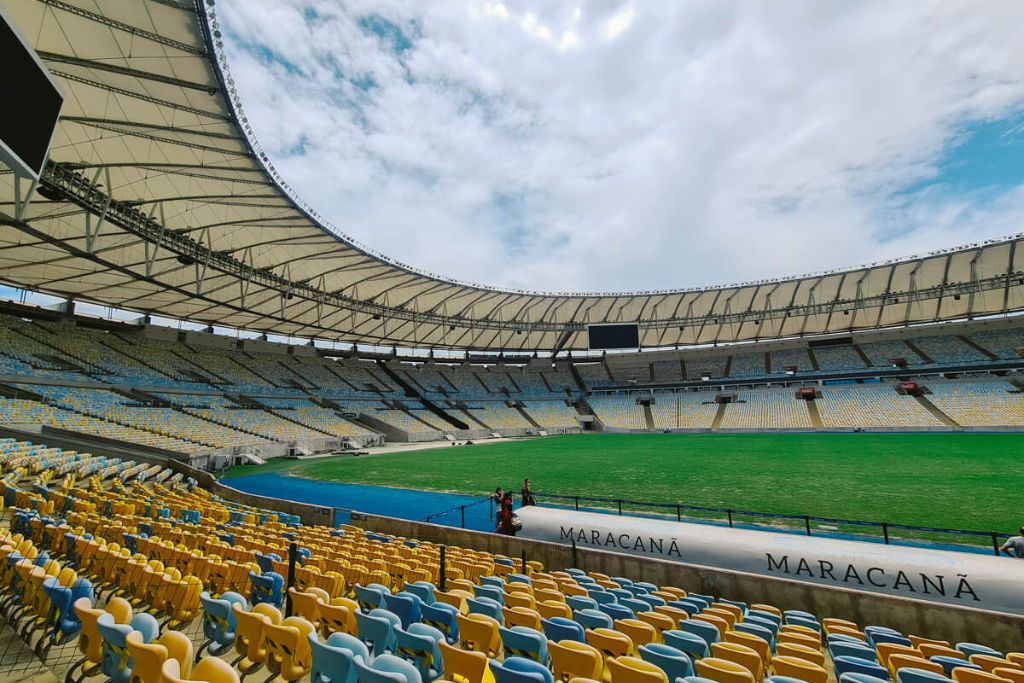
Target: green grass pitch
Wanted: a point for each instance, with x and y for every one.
(965, 481)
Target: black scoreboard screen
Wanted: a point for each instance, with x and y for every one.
(618, 336)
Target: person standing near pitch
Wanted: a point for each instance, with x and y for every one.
(526, 495)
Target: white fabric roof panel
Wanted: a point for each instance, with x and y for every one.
(199, 226)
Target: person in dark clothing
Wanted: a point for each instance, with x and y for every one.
(499, 495)
(526, 494)
(506, 521)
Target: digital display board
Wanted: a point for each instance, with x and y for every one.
(31, 104)
(617, 336)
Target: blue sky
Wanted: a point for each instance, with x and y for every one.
(615, 145)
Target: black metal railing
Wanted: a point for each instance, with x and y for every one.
(753, 518)
(460, 509)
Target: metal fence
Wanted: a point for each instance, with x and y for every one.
(886, 531)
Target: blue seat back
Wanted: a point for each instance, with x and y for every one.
(560, 628)
(332, 661)
(759, 630)
(949, 663)
(909, 674)
(519, 670)
(636, 605)
(684, 641)
(386, 669)
(442, 617)
(424, 590)
(578, 602)
(855, 677)
(709, 632)
(420, 647)
(839, 649)
(405, 605)
(523, 641)
(484, 605)
(377, 630)
(493, 592)
(846, 664)
(592, 618)
(602, 597)
(616, 611)
(674, 662)
(368, 597)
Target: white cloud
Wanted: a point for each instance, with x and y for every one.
(707, 142)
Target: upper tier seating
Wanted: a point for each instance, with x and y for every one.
(881, 352)
(838, 358)
(750, 364)
(871, 406)
(979, 402)
(767, 408)
(619, 412)
(786, 357)
(949, 349)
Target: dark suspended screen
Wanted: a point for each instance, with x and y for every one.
(31, 104)
(614, 336)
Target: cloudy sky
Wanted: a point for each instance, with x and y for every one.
(640, 145)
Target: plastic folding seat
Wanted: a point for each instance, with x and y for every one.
(799, 668)
(339, 616)
(691, 607)
(266, 588)
(714, 619)
(847, 664)
(964, 675)
(635, 670)
(674, 613)
(558, 629)
(116, 662)
(798, 638)
(948, 663)
(882, 634)
(579, 602)
(479, 633)
(900, 661)
(601, 596)
(571, 659)
(463, 664)
(492, 581)
(493, 592)
(838, 649)
(800, 651)
(522, 641)
(918, 641)
(886, 650)
(616, 610)
(853, 677)
(639, 632)
(742, 655)
(754, 629)
(611, 643)
(331, 660)
(837, 629)
(521, 616)
(387, 669)
(706, 630)
(652, 600)
(406, 606)
(765, 616)
(1014, 674)
(658, 620)
(147, 659)
(592, 618)
(690, 643)
(636, 604)
(250, 637)
(1016, 657)
(442, 617)
(369, 597)
(377, 630)
(781, 679)
(971, 649)
(90, 642)
(911, 674)
(424, 590)
(755, 643)
(485, 606)
(880, 637)
(929, 650)
(209, 669)
(64, 622)
(722, 671)
(288, 651)
(675, 663)
(520, 670)
(420, 646)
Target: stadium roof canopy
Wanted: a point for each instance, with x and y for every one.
(158, 199)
